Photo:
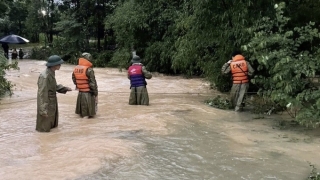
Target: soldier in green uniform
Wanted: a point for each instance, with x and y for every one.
(47, 103)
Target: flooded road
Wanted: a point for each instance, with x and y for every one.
(176, 137)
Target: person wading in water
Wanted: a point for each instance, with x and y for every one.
(240, 70)
(137, 73)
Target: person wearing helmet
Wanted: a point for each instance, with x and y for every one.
(137, 73)
(84, 79)
(47, 103)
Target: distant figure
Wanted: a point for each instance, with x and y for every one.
(137, 73)
(5, 47)
(47, 102)
(20, 53)
(14, 54)
(84, 79)
(10, 54)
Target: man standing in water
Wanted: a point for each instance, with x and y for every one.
(137, 73)
(240, 69)
(47, 103)
(84, 79)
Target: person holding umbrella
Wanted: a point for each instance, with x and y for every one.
(241, 70)
(11, 39)
(5, 47)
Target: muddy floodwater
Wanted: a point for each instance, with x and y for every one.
(177, 137)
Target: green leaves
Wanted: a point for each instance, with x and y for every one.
(290, 58)
(5, 85)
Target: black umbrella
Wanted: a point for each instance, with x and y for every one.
(14, 39)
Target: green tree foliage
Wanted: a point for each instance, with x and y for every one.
(81, 29)
(148, 27)
(17, 16)
(287, 59)
(34, 21)
(3, 8)
(211, 30)
(5, 85)
(302, 11)
(12, 17)
(126, 26)
(4, 18)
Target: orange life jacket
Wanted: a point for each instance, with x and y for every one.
(79, 72)
(239, 70)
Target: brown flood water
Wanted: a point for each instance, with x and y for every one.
(176, 137)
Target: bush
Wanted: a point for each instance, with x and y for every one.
(40, 53)
(102, 59)
(5, 85)
(286, 58)
(314, 175)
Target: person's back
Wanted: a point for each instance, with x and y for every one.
(137, 73)
(240, 70)
(14, 54)
(84, 79)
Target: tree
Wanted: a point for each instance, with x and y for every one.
(211, 30)
(147, 27)
(18, 19)
(35, 20)
(287, 58)
(4, 8)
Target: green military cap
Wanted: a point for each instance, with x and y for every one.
(54, 60)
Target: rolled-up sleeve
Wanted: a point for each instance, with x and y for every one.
(250, 69)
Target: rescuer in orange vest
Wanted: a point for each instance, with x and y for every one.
(240, 70)
(84, 79)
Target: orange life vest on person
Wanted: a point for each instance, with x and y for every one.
(239, 70)
(80, 73)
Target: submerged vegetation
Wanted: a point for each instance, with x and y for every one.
(315, 174)
(219, 102)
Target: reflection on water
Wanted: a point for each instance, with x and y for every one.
(176, 137)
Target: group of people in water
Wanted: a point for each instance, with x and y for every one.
(12, 53)
(84, 79)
